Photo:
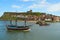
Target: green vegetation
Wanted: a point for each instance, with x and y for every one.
(8, 15)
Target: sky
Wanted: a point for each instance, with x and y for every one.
(47, 6)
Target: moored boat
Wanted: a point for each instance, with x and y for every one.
(12, 27)
(42, 23)
(16, 27)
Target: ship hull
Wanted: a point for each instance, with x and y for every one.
(10, 27)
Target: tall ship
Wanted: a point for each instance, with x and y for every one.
(16, 27)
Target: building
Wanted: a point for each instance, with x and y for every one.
(56, 19)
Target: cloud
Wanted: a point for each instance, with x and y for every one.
(26, 0)
(40, 4)
(15, 6)
(43, 4)
(43, 1)
(33, 6)
(54, 7)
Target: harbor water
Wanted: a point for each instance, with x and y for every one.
(51, 32)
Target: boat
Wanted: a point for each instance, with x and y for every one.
(42, 23)
(38, 22)
(16, 27)
(13, 27)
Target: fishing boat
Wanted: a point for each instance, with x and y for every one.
(16, 27)
(42, 23)
(38, 22)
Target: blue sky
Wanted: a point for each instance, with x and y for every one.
(47, 6)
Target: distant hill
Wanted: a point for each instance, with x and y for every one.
(8, 15)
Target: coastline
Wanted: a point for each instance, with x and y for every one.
(28, 21)
(19, 21)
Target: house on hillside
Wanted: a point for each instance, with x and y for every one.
(42, 16)
(48, 18)
(29, 15)
(56, 19)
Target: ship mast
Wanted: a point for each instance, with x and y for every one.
(24, 21)
(16, 19)
(10, 20)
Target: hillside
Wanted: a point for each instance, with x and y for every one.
(8, 15)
